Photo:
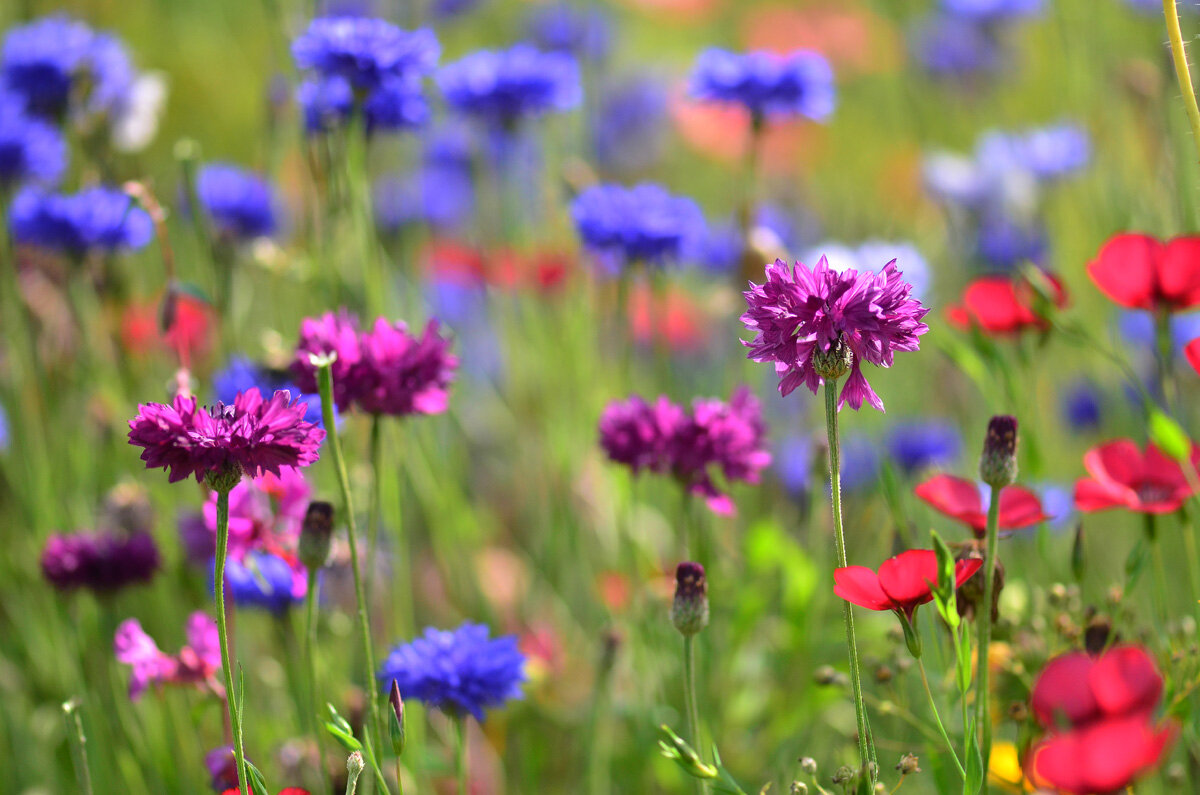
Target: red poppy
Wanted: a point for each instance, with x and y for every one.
(1192, 352)
(961, 499)
(189, 326)
(1098, 712)
(1000, 305)
(284, 791)
(903, 583)
(1124, 476)
(1142, 272)
(674, 318)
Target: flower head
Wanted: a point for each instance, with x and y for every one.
(1002, 305)
(952, 46)
(920, 444)
(31, 150)
(1122, 476)
(272, 581)
(461, 670)
(95, 219)
(101, 562)
(640, 224)
(797, 84)
(962, 500)
(799, 314)
(364, 50)
(503, 86)
(401, 374)
(561, 27)
(196, 663)
(331, 333)
(902, 584)
(239, 203)
(1140, 272)
(252, 435)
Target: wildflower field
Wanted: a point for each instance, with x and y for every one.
(599, 396)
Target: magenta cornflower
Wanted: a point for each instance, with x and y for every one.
(799, 313)
(101, 562)
(253, 435)
(691, 446)
(330, 333)
(196, 663)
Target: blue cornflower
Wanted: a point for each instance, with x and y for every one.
(1137, 328)
(860, 462)
(397, 104)
(241, 374)
(921, 444)
(628, 127)
(95, 219)
(265, 580)
(45, 61)
(953, 46)
(766, 84)
(325, 103)
(1055, 150)
(239, 203)
(585, 33)
(1082, 405)
(457, 671)
(4, 433)
(502, 86)
(364, 50)
(793, 462)
(31, 150)
(993, 10)
(644, 223)
(1003, 242)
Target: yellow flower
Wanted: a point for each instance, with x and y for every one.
(1005, 768)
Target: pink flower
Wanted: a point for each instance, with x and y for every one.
(264, 513)
(196, 663)
(329, 333)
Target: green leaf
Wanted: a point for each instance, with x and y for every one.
(962, 659)
(1169, 436)
(338, 720)
(943, 592)
(344, 738)
(975, 771)
(258, 784)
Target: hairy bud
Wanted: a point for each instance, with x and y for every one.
(689, 611)
(316, 535)
(998, 464)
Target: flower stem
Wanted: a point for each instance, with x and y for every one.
(460, 752)
(866, 748)
(374, 518)
(78, 742)
(370, 726)
(231, 696)
(938, 719)
(1182, 74)
(983, 691)
(689, 694)
(310, 658)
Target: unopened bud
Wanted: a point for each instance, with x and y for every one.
(799, 788)
(316, 534)
(908, 765)
(825, 675)
(998, 464)
(354, 768)
(843, 775)
(808, 765)
(835, 362)
(689, 611)
(396, 721)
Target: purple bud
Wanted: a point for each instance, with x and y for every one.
(998, 464)
(689, 611)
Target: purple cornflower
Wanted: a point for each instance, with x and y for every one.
(800, 312)
(797, 84)
(330, 333)
(644, 223)
(364, 50)
(95, 219)
(101, 562)
(31, 150)
(196, 663)
(457, 671)
(665, 438)
(253, 435)
(504, 86)
(240, 204)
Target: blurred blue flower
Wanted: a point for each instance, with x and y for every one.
(4, 432)
(1004, 243)
(954, 46)
(1137, 329)
(1055, 150)
(793, 462)
(585, 32)
(1058, 502)
(872, 255)
(447, 9)
(766, 84)
(457, 671)
(31, 150)
(265, 580)
(502, 86)
(240, 374)
(364, 50)
(860, 461)
(325, 103)
(239, 204)
(398, 103)
(920, 444)
(993, 10)
(629, 124)
(95, 219)
(644, 223)
(1082, 405)
(440, 196)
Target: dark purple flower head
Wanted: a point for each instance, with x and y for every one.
(364, 50)
(330, 333)
(95, 219)
(459, 671)
(503, 86)
(400, 374)
(100, 562)
(637, 434)
(766, 84)
(798, 312)
(252, 435)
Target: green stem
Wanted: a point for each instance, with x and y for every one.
(983, 720)
(938, 719)
(596, 747)
(78, 742)
(689, 694)
(866, 748)
(1193, 557)
(374, 518)
(231, 696)
(460, 753)
(1162, 338)
(1160, 569)
(372, 724)
(1182, 74)
(310, 658)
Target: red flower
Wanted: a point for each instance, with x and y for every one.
(284, 791)
(1141, 272)
(903, 583)
(1097, 712)
(961, 499)
(1123, 476)
(1192, 352)
(1000, 305)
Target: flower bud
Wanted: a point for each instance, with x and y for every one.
(835, 362)
(1096, 634)
(689, 611)
(843, 775)
(354, 767)
(396, 721)
(908, 765)
(224, 479)
(808, 765)
(799, 788)
(315, 535)
(998, 464)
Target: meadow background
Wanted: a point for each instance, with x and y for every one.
(512, 513)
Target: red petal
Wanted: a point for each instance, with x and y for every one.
(1103, 758)
(908, 578)
(1126, 682)
(1192, 352)
(859, 585)
(1179, 273)
(956, 497)
(965, 570)
(1019, 507)
(992, 304)
(1119, 462)
(1092, 495)
(1125, 268)
(1062, 691)
(293, 791)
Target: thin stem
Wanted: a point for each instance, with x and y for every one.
(78, 742)
(689, 694)
(1193, 557)
(231, 698)
(374, 518)
(1182, 74)
(866, 748)
(371, 726)
(310, 657)
(399, 777)
(460, 753)
(983, 720)
(938, 719)
(596, 747)
(1162, 338)
(1160, 569)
